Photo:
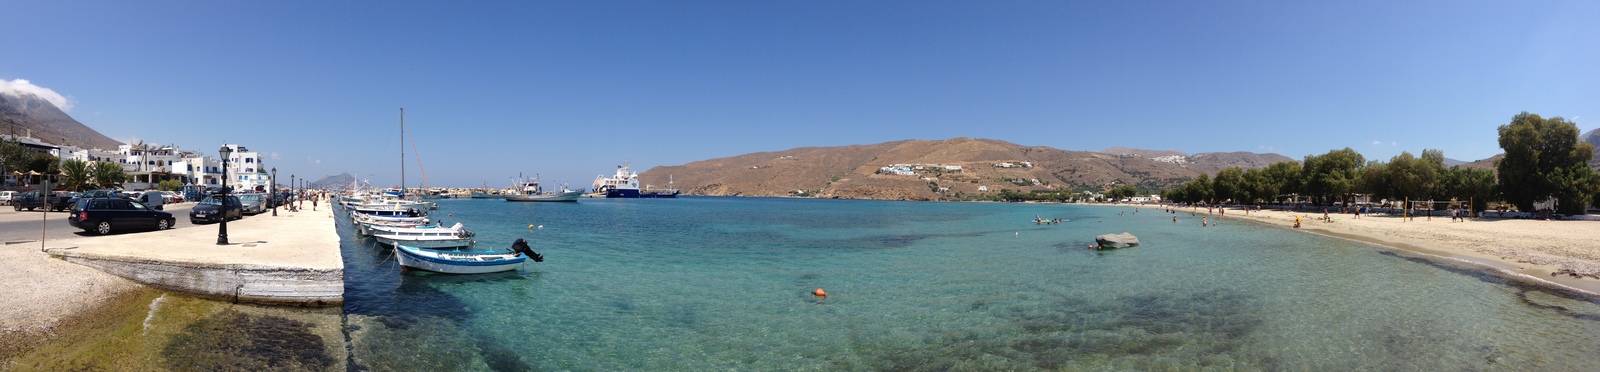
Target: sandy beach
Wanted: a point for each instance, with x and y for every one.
(1565, 252)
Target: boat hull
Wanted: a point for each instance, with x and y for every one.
(629, 193)
(456, 262)
(425, 243)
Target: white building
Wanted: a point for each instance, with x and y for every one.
(245, 169)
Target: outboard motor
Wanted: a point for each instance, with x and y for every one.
(521, 247)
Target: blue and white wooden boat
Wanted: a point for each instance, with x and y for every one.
(455, 262)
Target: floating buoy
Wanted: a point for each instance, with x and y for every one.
(819, 293)
(530, 227)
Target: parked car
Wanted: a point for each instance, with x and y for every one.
(104, 215)
(5, 197)
(153, 199)
(253, 203)
(97, 194)
(210, 209)
(33, 199)
(173, 197)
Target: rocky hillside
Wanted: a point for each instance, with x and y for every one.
(27, 114)
(341, 180)
(932, 170)
(1593, 138)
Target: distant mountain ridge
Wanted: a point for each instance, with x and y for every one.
(927, 170)
(27, 114)
(339, 181)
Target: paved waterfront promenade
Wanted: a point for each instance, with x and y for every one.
(289, 259)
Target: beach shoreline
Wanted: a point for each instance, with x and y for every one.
(1560, 254)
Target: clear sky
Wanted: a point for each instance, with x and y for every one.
(572, 89)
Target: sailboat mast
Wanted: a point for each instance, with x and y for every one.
(402, 152)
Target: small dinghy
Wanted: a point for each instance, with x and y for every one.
(456, 262)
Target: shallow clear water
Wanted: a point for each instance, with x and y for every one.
(702, 283)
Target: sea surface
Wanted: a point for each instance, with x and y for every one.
(725, 283)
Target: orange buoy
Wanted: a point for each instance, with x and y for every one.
(819, 293)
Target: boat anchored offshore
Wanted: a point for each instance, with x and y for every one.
(531, 192)
(625, 184)
(453, 262)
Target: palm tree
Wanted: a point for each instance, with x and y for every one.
(108, 175)
(75, 175)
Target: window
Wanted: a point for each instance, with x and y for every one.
(249, 160)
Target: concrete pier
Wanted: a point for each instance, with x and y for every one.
(291, 259)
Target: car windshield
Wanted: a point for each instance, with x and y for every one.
(211, 201)
(249, 197)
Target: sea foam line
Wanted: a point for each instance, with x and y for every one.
(154, 305)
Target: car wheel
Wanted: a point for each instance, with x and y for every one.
(18, 207)
(163, 224)
(104, 227)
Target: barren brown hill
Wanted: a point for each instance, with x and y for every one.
(933, 170)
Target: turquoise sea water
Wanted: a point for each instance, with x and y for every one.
(724, 283)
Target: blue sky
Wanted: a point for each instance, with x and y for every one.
(572, 89)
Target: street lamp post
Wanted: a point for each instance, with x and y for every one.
(222, 230)
(274, 190)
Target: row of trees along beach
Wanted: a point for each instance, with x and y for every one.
(1544, 160)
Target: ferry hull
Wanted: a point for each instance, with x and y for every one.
(626, 193)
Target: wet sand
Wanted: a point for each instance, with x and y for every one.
(1565, 253)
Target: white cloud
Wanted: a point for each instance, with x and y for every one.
(20, 87)
(1394, 144)
(274, 155)
(1377, 142)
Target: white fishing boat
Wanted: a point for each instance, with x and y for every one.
(374, 229)
(453, 237)
(531, 192)
(454, 262)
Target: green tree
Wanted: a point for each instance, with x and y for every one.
(1475, 185)
(1229, 184)
(1286, 176)
(1124, 191)
(1416, 178)
(14, 156)
(1545, 159)
(75, 175)
(107, 175)
(1332, 175)
(1375, 180)
(1199, 189)
(169, 185)
(1260, 186)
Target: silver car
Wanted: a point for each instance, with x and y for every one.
(253, 203)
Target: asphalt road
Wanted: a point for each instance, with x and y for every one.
(24, 226)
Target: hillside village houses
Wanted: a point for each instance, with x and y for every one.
(147, 165)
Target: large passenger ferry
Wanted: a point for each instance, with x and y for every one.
(625, 184)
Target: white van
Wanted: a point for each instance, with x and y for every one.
(153, 199)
